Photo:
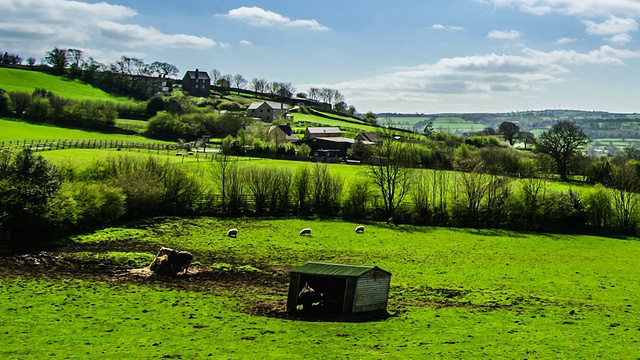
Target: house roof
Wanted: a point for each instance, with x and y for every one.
(202, 75)
(285, 129)
(370, 136)
(271, 104)
(326, 269)
(323, 130)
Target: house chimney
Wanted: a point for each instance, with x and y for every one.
(196, 73)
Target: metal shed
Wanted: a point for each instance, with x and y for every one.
(345, 289)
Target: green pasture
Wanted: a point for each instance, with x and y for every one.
(312, 120)
(450, 124)
(27, 81)
(203, 164)
(139, 126)
(455, 293)
(12, 130)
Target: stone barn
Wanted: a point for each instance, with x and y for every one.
(341, 289)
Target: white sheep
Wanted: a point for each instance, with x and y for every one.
(360, 229)
(305, 231)
(232, 233)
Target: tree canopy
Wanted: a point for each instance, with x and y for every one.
(510, 131)
(562, 142)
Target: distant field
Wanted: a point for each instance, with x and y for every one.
(27, 81)
(449, 124)
(11, 130)
(311, 119)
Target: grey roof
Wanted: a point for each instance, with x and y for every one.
(326, 269)
(271, 104)
(323, 130)
(202, 75)
(338, 139)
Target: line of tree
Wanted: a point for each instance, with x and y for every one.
(45, 106)
(38, 200)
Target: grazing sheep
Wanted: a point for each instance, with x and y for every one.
(360, 229)
(232, 233)
(305, 231)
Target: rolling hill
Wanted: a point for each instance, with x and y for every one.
(27, 81)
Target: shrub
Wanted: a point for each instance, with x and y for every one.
(27, 183)
(356, 204)
(303, 151)
(598, 208)
(155, 105)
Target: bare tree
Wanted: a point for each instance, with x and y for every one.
(139, 67)
(215, 76)
(163, 69)
(625, 193)
(389, 174)
(314, 93)
(225, 173)
(239, 81)
(258, 85)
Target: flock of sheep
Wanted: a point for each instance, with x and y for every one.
(306, 231)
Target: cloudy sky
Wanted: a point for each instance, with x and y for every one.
(407, 56)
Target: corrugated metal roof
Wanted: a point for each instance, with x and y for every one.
(323, 130)
(326, 269)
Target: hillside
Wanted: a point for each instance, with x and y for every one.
(27, 81)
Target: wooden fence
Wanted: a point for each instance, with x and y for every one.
(44, 145)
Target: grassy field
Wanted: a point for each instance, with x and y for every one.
(307, 119)
(450, 124)
(204, 165)
(455, 293)
(13, 130)
(27, 81)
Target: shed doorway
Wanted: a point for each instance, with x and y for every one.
(330, 292)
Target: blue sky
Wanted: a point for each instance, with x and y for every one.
(406, 56)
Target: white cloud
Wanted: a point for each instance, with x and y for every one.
(257, 16)
(246, 42)
(139, 36)
(504, 35)
(225, 45)
(564, 40)
(37, 25)
(612, 26)
(581, 8)
(620, 39)
(449, 27)
(479, 75)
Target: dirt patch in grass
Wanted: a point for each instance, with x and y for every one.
(269, 283)
(263, 289)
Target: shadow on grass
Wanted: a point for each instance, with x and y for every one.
(319, 316)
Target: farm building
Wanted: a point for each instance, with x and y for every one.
(322, 131)
(345, 289)
(267, 111)
(196, 83)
